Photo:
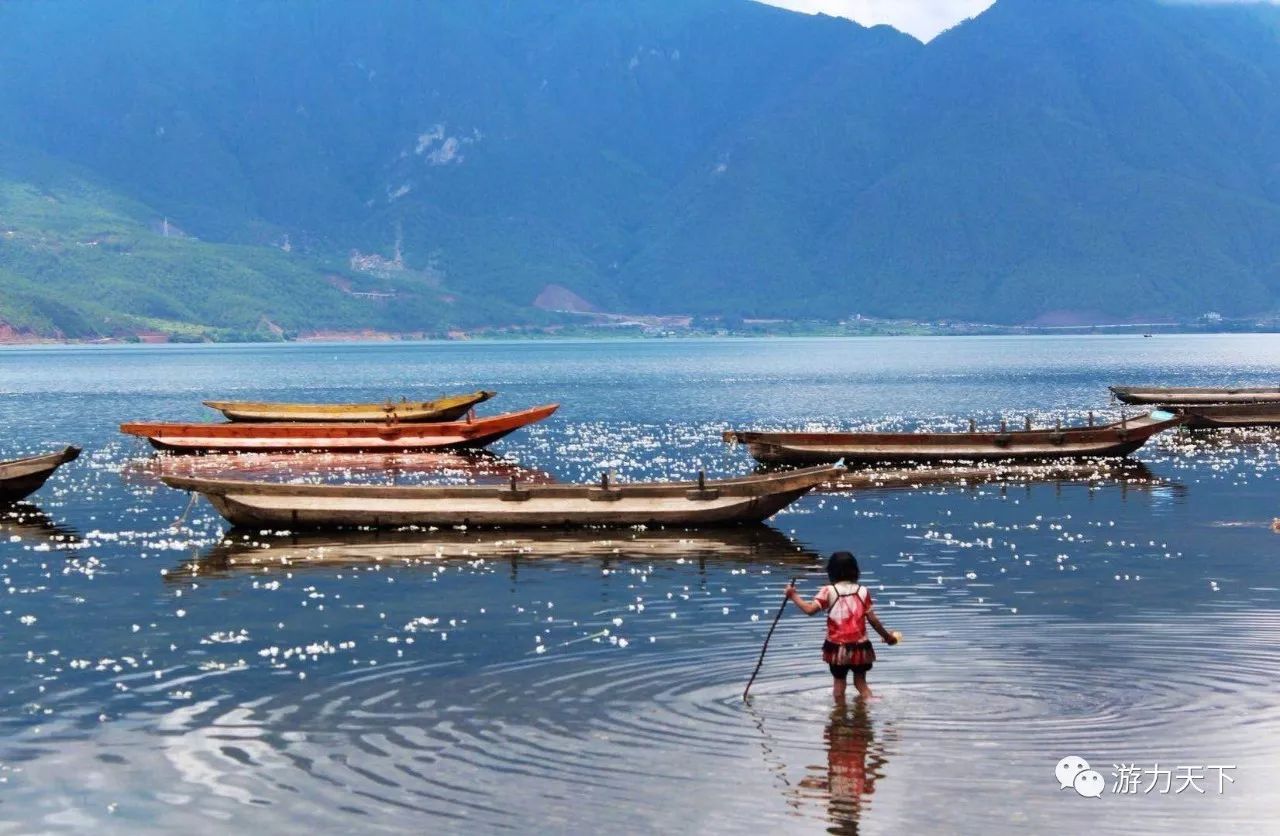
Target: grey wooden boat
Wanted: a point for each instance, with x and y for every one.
(277, 505)
(799, 448)
(19, 478)
(1188, 395)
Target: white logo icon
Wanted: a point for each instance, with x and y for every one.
(1067, 770)
(1073, 772)
(1090, 784)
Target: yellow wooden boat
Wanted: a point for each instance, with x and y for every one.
(449, 408)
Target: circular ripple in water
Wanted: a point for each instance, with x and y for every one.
(588, 735)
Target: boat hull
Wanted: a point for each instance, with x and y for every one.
(336, 437)
(1194, 395)
(256, 511)
(19, 478)
(444, 409)
(799, 449)
(1231, 415)
(727, 502)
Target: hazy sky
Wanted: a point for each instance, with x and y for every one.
(922, 18)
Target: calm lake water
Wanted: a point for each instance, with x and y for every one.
(159, 677)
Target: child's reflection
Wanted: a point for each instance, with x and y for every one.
(855, 761)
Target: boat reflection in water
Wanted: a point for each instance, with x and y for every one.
(22, 519)
(1125, 474)
(242, 551)
(856, 760)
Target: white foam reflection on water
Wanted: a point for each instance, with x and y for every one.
(1121, 620)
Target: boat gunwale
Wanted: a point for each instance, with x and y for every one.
(66, 454)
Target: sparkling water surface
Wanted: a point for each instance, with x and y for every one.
(159, 674)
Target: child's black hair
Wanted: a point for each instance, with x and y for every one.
(843, 566)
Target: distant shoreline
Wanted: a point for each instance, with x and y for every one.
(590, 335)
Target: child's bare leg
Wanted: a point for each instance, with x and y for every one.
(860, 682)
(837, 688)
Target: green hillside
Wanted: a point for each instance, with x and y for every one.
(78, 260)
(1056, 160)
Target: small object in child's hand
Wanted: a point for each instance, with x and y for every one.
(897, 636)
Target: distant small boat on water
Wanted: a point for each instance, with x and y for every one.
(747, 499)
(1187, 395)
(449, 408)
(19, 478)
(799, 448)
(350, 436)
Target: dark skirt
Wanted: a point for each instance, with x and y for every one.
(848, 657)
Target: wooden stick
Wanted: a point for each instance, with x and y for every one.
(765, 649)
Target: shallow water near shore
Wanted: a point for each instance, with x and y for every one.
(159, 675)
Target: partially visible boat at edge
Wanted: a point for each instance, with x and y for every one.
(746, 499)
(1212, 416)
(448, 408)
(348, 436)
(799, 448)
(1188, 395)
(20, 478)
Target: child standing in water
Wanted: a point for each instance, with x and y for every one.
(848, 608)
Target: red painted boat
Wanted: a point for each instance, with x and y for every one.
(345, 437)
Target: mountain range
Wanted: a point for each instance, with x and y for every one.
(231, 169)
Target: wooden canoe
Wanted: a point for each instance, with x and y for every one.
(1188, 395)
(1231, 415)
(449, 408)
(746, 499)
(348, 436)
(791, 448)
(297, 552)
(20, 478)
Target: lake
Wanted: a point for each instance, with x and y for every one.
(157, 675)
